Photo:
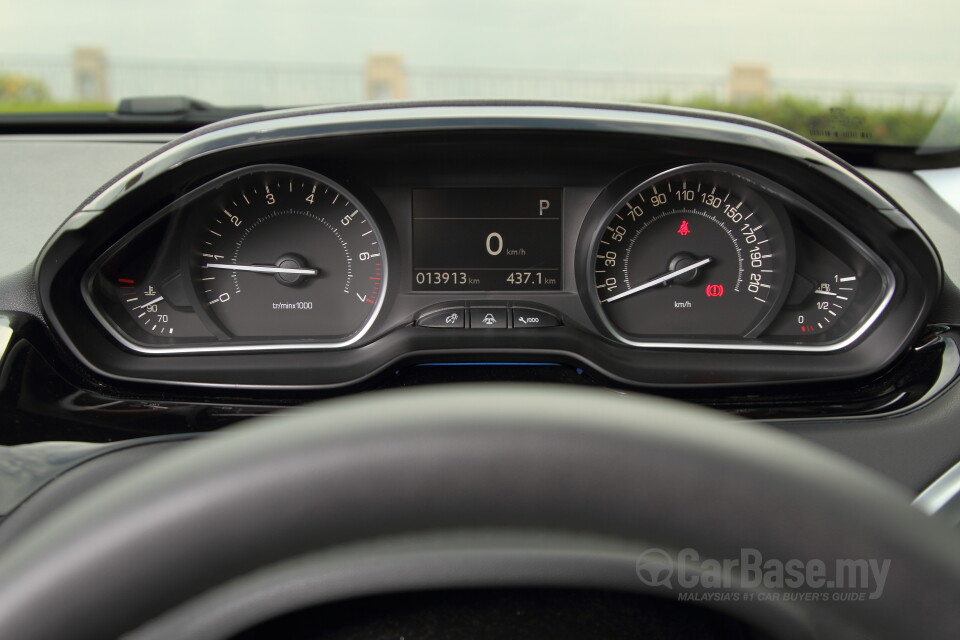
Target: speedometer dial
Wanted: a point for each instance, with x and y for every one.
(694, 253)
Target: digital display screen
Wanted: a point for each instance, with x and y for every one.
(487, 239)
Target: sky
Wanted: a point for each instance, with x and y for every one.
(833, 40)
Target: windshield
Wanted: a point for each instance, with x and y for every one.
(852, 71)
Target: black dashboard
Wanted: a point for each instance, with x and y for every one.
(318, 249)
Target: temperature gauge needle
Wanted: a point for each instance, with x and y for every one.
(661, 279)
(262, 269)
(147, 304)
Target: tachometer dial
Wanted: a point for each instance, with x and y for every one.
(694, 253)
(280, 253)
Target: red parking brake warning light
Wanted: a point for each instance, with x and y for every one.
(714, 290)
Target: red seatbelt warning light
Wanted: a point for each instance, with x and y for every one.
(684, 228)
(714, 290)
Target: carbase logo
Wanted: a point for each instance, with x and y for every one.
(857, 579)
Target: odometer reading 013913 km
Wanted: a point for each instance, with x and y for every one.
(697, 252)
(486, 239)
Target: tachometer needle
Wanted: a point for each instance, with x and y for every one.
(660, 279)
(261, 269)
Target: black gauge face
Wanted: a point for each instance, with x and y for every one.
(278, 254)
(694, 253)
(269, 256)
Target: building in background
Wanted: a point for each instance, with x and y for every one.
(385, 77)
(90, 75)
(749, 82)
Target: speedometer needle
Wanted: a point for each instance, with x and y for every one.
(661, 279)
(262, 269)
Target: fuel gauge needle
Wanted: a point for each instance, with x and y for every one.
(262, 269)
(670, 275)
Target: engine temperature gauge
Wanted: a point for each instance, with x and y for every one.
(152, 308)
(140, 288)
(148, 307)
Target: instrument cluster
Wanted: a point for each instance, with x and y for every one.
(703, 255)
(621, 251)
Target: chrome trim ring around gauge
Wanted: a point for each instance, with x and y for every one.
(886, 276)
(199, 192)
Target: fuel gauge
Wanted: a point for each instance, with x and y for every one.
(824, 288)
(825, 301)
(828, 302)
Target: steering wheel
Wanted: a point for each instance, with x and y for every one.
(451, 486)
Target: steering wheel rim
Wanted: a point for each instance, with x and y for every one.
(522, 457)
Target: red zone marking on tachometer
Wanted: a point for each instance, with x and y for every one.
(376, 288)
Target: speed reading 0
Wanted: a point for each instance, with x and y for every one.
(494, 243)
(696, 253)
